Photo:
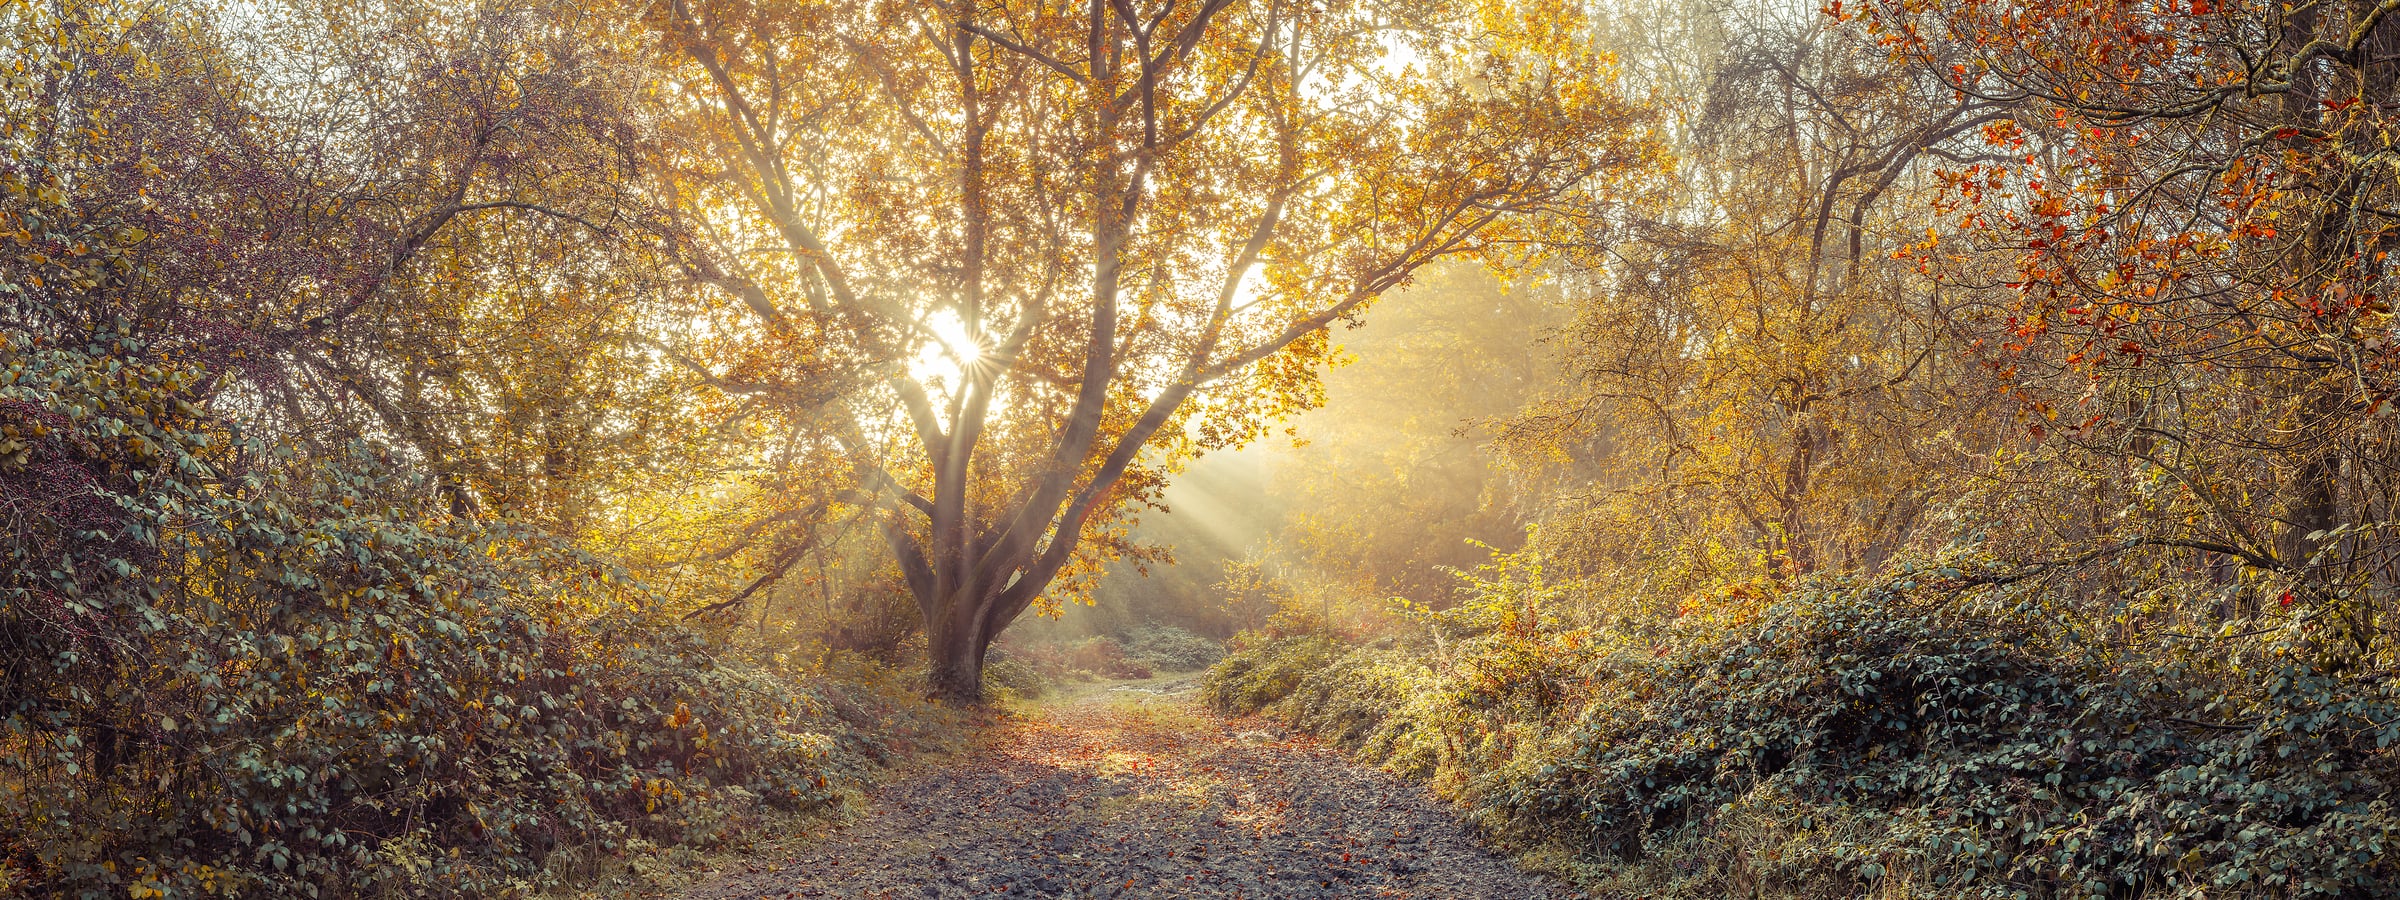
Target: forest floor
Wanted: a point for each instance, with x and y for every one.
(1130, 789)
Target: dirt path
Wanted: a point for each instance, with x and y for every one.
(1137, 793)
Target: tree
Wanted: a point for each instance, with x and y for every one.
(1757, 390)
(2180, 243)
(1391, 487)
(1069, 247)
(363, 217)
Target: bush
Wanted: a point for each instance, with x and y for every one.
(1013, 677)
(1855, 739)
(2006, 753)
(1266, 672)
(1171, 649)
(232, 672)
(1084, 660)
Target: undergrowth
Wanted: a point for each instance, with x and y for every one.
(1028, 668)
(225, 673)
(1902, 737)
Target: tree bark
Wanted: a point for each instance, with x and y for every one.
(955, 646)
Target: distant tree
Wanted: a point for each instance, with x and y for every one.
(1757, 391)
(1388, 487)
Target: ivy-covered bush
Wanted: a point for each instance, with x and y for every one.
(1014, 679)
(225, 671)
(1266, 670)
(1856, 739)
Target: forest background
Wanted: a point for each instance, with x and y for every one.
(1930, 448)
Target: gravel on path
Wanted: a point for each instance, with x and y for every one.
(1140, 793)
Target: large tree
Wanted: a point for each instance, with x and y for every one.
(1065, 247)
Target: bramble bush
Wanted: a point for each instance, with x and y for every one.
(1898, 737)
(231, 672)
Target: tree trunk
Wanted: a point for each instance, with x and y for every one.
(2312, 509)
(955, 644)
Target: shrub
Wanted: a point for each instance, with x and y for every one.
(1171, 649)
(1267, 671)
(1084, 660)
(2008, 755)
(1013, 677)
(233, 672)
(1852, 739)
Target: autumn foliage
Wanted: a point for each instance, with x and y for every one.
(1898, 448)
(1972, 480)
